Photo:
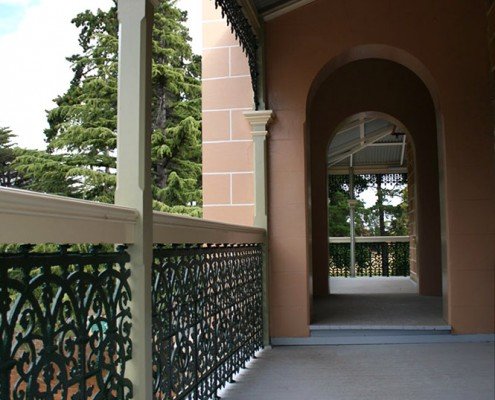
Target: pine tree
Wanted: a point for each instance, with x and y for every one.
(82, 132)
(45, 172)
(9, 176)
(381, 219)
(31, 169)
(176, 115)
(384, 218)
(338, 206)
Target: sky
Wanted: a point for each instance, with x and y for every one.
(35, 38)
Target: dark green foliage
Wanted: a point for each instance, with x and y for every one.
(31, 169)
(9, 175)
(80, 159)
(340, 183)
(45, 172)
(7, 156)
(338, 215)
(395, 217)
(381, 219)
(399, 225)
(191, 211)
(338, 206)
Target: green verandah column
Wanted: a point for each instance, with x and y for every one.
(134, 175)
(259, 121)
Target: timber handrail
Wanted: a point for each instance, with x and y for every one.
(370, 239)
(173, 228)
(29, 217)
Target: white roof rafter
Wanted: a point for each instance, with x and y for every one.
(348, 149)
(403, 152)
(367, 141)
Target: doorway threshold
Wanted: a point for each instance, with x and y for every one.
(338, 328)
(381, 337)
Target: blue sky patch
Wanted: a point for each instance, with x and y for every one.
(11, 14)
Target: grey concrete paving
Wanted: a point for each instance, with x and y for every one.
(389, 372)
(376, 301)
(378, 285)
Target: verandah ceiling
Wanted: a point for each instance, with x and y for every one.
(264, 6)
(370, 145)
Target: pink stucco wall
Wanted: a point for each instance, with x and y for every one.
(228, 193)
(442, 46)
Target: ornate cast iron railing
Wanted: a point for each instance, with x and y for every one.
(342, 181)
(239, 25)
(372, 259)
(65, 319)
(64, 324)
(207, 317)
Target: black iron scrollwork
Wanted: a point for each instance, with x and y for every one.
(239, 25)
(207, 317)
(64, 325)
(341, 182)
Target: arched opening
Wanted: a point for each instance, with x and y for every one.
(373, 271)
(371, 224)
(382, 90)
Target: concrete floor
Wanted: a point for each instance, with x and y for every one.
(376, 301)
(376, 285)
(386, 372)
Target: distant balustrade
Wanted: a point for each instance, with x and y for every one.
(375, 256)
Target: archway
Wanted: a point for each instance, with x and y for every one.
(371, 199)
(382, 86)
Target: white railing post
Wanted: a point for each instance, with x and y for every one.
(352, 207)
(259, 121)
(134, 175)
